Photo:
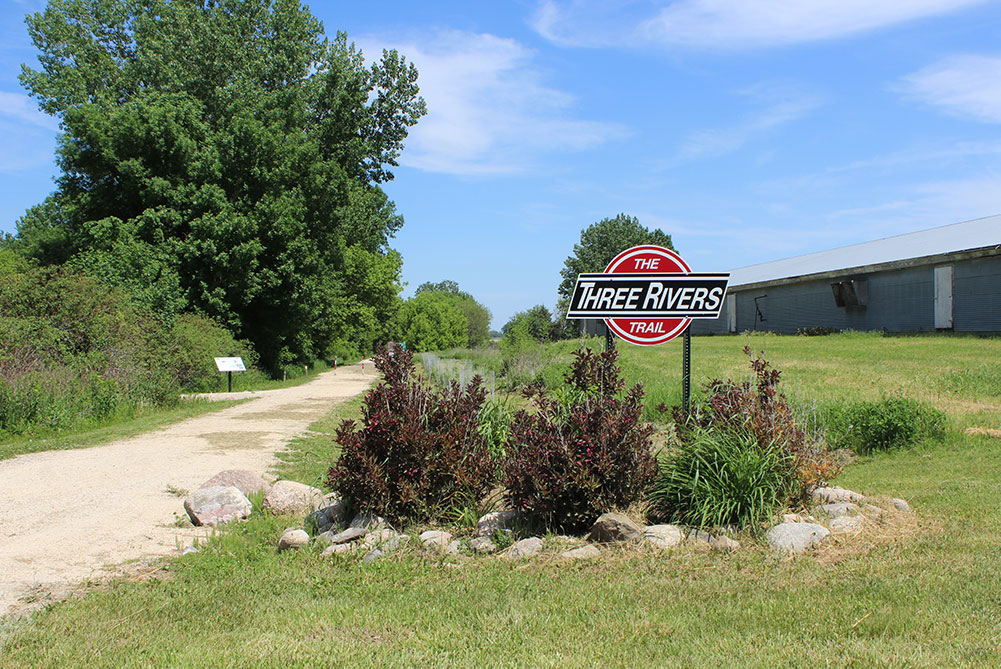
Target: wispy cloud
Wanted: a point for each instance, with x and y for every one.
(489, 111)
(727, 24)
(968, 86)
(22, 109)
(778, 105)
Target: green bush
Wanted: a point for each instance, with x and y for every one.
(723, 477)
(865, 427)
(197, 341)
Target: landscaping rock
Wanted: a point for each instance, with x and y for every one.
(217, 505)
(368, 521)
(483, 545)
(386, 540)
(663, 536)
(796, 537)
(792, 518)
(337, 549)
(294, 539)
(332, 513)
(525, 548)
(492, 522)
(719, 542)
(372, 556)
(347, 536)
(614, 528)
(588, 552)
(848, 524)
(900, 505)
(872, 509)
(836, 495)
(454, 547)
(291, 497)
(839, 509)
(435, 538)
(245, 480)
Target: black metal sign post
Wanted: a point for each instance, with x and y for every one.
(686, 372)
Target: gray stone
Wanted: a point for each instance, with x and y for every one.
(494, 521)
(217, 505)
(525, 548)
(900, 505)
(872, 509)
(333, 512)
(483, 545)
(369, 521)
(454, 547)
(836, 495)
(588, 552)
(435, 538)
(345, 537)
(614, 528)
(293, 539)
(839, 509)
(796, 537)
(663, 536)
(245, 480)
(848, 524)
(292, 498)
(317, 523)
(372, 556)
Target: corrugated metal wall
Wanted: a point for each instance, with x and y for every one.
(899, 300)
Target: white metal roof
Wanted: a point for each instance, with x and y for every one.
(966, 236)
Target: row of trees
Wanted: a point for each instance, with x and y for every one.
(224, 158)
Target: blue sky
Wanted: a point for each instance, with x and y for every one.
(748, 130)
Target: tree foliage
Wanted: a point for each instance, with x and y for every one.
(224, 156)
(602, 241)
(535, 323)
(431, 321)
(477, 316)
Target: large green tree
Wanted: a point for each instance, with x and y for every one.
(599, 243)
(477, 316)
(226, 147)
(431, 321)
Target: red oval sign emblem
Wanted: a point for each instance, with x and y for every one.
(641, 260)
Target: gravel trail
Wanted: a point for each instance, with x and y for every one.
(67, 516)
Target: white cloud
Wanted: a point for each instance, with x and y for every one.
(967, 86)
(782, 105)
(489, 111)
(729, 24)
(22, 109)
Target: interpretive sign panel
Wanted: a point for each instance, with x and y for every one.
(230, 365)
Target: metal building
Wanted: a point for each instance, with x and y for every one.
(945, 278)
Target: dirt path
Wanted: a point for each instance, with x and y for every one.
(66, 516)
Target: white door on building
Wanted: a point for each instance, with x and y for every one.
(943, 297)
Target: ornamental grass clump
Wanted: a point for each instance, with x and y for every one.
(582, 451)
(741, 455)
(866, 427)
(420, 455)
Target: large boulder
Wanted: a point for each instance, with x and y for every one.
(291, 497)
(796, 537)
(614, 528)
(217, 505)
(247, 481)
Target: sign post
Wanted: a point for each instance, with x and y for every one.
(649, 295)
(230, 365)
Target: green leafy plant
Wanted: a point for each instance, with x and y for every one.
(723, 477)
(865, 427)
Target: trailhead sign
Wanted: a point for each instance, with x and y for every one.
(648, 295)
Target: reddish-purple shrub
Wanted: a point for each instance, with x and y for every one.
(583, 451)
(419, 454)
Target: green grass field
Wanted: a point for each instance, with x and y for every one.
(923, 594)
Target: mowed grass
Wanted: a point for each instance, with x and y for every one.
(926, 594)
